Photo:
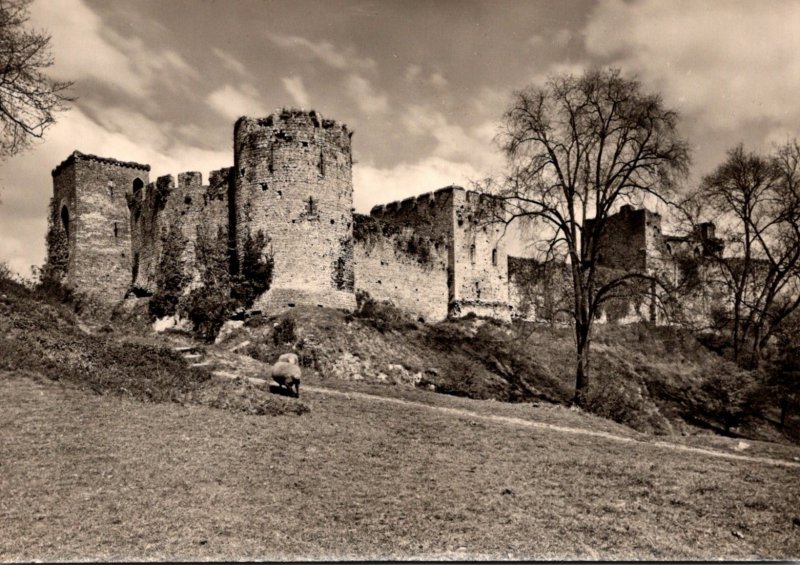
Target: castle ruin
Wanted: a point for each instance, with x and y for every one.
(286, 203)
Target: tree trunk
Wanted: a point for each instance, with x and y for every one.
(582, 365)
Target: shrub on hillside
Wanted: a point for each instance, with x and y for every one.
(382, 315)
(724, 398)
(284, 332)
(623, 398)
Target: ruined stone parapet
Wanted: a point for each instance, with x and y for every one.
(165, 219)
(480, 261)
(293, 184)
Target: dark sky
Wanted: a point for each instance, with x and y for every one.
(422, 83)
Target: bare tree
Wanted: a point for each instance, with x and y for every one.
(755, 200)
(28, 98)
(577, 148)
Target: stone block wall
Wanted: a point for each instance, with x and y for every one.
(400, 265)
(480, 262)
(293, 183)
(167, 215)
(89, 205)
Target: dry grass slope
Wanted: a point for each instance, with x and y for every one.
(88, 477)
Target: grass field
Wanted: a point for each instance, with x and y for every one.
(84, 476)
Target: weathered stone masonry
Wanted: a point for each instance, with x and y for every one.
(89, 207)
(293, 182)
(290, 194)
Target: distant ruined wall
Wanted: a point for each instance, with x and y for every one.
(293, 183)
(539, 291)
(400, 265)
(89, 207)
(631, 243)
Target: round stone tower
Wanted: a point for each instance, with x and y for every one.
(293, 198)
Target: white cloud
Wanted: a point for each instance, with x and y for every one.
(233, 102)
(723, 63)
(373, 185)
(297, 90)
(229, 61)
(438, 80)
(324, 51)
(412, 73)
(368, 99)
(472, 145)
(86, 48)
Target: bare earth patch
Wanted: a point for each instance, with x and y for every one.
(91, 477)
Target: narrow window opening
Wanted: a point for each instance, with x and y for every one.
(311, 207)
(321, 163)
(472, 253)
(271, 166)
(116, 230)
(478, 290)
(264, 186)
(494, 256)
(111, 189)
(241, 172)
(65, 219)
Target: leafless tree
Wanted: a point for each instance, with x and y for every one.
(29, 99)
(576, 149)
(755, 200)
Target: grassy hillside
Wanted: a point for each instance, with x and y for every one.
(653, 379)
(109, 478)
(42, 335)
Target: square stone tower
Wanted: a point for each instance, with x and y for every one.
(89, 223)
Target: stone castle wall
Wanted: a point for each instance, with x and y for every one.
(166, 215)
(399, 265)
(480, 262)
(293, 183)
(454, 220)
(286, 205)
(89, 206)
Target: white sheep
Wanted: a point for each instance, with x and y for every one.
(286, 372)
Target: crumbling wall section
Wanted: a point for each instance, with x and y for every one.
(293, 183)
(480, 283)
(400, 265)
(89, 193)
(631, 242)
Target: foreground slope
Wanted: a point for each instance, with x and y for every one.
(91, 477)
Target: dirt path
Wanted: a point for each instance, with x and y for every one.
(234, 364)
(542, 425)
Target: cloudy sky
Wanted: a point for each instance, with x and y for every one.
(422, 83)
